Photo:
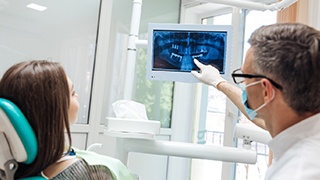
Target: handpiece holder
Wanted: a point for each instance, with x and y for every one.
(251, 133)
(139, 136)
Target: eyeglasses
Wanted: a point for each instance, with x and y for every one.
(239, 77)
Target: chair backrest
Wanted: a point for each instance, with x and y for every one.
(18, 142)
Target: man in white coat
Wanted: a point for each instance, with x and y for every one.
(281, 93)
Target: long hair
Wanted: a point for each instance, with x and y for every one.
(40, 89)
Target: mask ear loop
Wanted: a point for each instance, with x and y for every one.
(273, 94)
(254, 83)
(262, 106)
(243, 86)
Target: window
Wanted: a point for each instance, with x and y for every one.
(254, 20)
(215, 119)
(157, 96)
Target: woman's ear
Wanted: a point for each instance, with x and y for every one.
(268, 90)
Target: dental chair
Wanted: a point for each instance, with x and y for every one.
(18, 142)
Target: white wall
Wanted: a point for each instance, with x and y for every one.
(314, 14)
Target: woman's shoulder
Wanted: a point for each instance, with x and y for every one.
(82, 170)
(117, 168)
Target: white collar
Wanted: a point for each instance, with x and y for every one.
(43, 175)
(288, 137)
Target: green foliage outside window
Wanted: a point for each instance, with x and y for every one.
(157, 96)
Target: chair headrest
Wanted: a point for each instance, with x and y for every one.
(18, 133)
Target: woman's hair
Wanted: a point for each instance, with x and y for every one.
(289, 54)
(40, 89)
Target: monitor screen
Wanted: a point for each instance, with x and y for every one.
(172, 48)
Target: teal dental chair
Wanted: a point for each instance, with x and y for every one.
(18, 142)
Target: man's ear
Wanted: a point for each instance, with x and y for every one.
(268, 90)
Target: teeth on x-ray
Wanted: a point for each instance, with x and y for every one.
(176, 50)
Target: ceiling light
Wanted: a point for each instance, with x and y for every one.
(36, 7)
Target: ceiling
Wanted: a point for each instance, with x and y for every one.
(15, 15)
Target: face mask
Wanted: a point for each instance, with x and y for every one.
(251, 113)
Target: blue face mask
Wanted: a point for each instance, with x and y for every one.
(251, 113)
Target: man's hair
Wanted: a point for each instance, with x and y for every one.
(40, 89)
(289, 54)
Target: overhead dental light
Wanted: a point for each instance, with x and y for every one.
(36, 7)
(254, 5)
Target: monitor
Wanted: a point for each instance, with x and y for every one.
(172, 48)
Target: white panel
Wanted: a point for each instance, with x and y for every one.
(79, 140)
(144, 165)
(108, 145)
(182, 126)
(148, 166)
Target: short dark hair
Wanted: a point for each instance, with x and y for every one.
(289, 53)
(40, 89)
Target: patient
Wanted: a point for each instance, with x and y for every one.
(46, 96)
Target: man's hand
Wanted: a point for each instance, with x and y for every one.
(208, 74)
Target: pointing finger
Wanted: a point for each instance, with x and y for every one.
(199, 64)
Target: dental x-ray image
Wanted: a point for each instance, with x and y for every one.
(175, 50)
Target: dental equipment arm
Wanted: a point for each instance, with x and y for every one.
(139, 136)
(180, 149)
(254, 5)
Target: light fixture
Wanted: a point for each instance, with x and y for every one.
(36, 7)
